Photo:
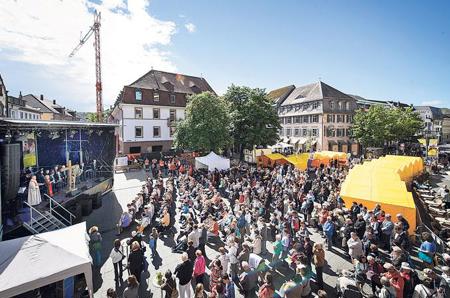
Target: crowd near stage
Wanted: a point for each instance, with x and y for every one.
(52, 173)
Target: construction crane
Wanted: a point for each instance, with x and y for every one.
(95, 29)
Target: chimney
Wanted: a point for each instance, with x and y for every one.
(20, 95)
(54, 101)
(41, 97)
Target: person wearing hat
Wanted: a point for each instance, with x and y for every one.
(395, 279)
(411, 279)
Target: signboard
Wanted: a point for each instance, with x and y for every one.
(29, 150)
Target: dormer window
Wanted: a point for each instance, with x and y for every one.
(138, 95)
(155, 95)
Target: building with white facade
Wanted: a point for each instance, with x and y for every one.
(149, 108)
(19, 109)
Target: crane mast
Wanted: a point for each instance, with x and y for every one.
(95, 29)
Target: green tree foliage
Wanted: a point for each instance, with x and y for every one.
(254, 121)
(380, 125)
(92, 117)
(206, 126)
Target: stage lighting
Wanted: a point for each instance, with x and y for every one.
(72, 133)
(54, 135)
(99, 132)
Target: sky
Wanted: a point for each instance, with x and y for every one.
(383, 50)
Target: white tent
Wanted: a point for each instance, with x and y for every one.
(32, 262)
(212, 161)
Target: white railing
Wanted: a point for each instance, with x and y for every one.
(58, 205)
(34, 220)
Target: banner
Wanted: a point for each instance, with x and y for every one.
(29, 151)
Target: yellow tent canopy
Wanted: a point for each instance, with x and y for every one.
(383, 181)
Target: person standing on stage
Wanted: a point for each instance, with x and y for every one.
(34, 194)
(48, 183)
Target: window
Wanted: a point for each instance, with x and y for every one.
(155, 113)
(348, 118)
(138, 94)
(158, 148)
(339, 118)
(173, 115)
(305, 106)
(330, 118)
(172, 98)
(314, 132)
(347, 105)
(289, 120)
(155, 95)
(13, 114)
(136, 149)
(297, 119)
(314, 118)
(138, 132)
(331, 132)
(332, 105)
(348, 132)
(304, 132)
(156, 131)
(340, 132)
(138, 113)
(315, 105)
(306, 119)
(172, 130)
(296, 132)
(21, 115)
(340, 105)
(288, 132)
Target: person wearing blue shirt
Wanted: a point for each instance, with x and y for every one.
(328, 229)
(229, 287)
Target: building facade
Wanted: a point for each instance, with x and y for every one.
(3, 98)
(318, 117)
(432, 118)
(19, 109)
(148, 110)
(49, 109)
(445, 135)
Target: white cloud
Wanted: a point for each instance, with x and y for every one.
(43, 33)
(190, 27)
(435, 102)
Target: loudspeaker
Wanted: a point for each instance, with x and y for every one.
(10, 171)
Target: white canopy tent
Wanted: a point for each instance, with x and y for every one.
(212, 161)
(32, 262)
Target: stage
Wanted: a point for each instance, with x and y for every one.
(78, 157)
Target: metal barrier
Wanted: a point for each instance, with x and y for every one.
(34, 220)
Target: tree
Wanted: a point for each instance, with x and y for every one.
(254, 120)
(206, 126)
(92, 117)
(380, 125)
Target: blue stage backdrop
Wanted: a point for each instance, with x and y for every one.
(56, 147)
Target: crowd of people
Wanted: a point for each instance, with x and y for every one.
(260, 221)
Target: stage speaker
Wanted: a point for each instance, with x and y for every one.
(10, 171)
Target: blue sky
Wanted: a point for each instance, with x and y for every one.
(397, 50)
